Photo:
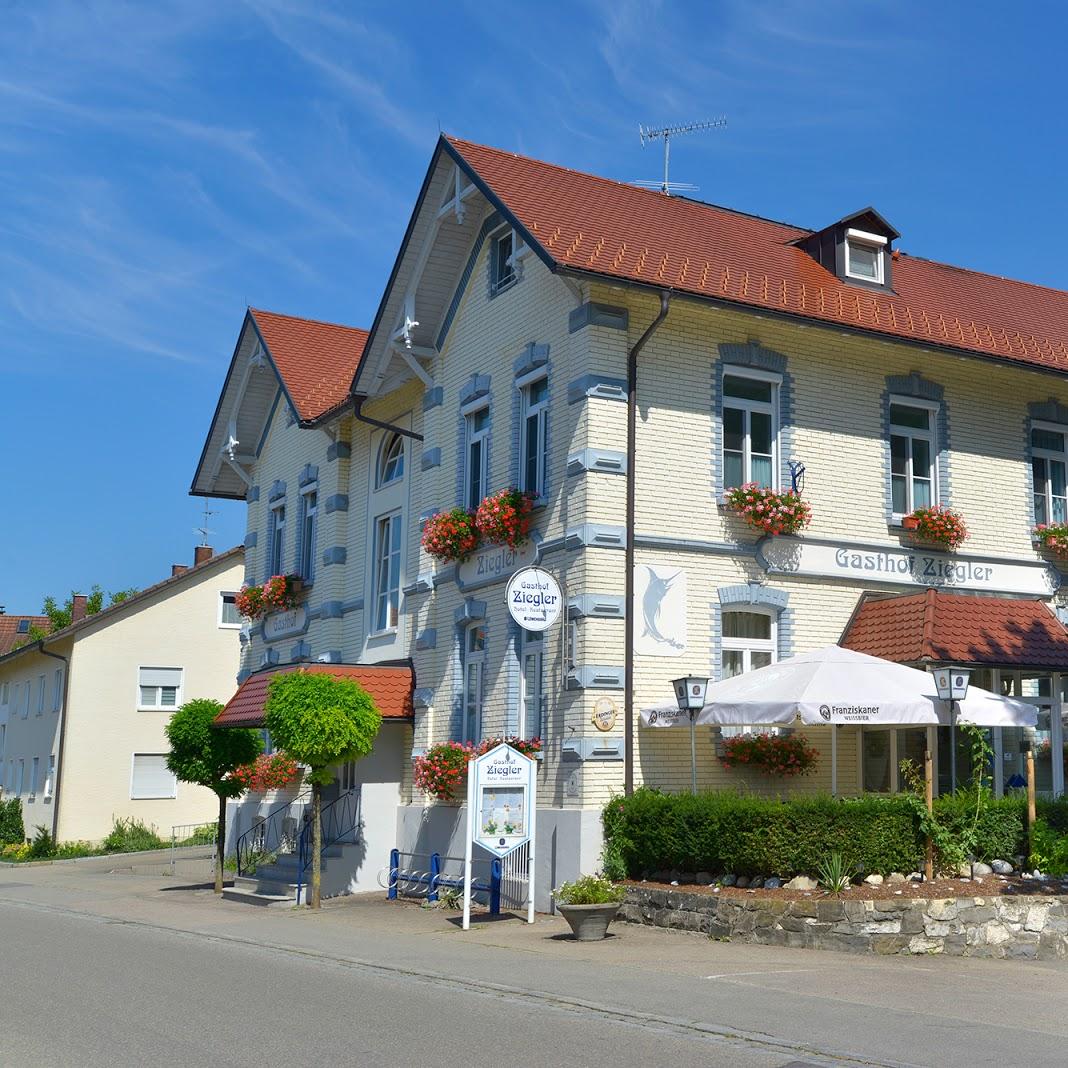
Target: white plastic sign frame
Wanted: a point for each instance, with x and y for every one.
(501, 813)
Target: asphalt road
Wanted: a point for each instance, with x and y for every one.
(112, 968)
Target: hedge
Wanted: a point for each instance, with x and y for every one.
(11, 829)
(722, 832)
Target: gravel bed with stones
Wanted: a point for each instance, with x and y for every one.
(1006, 885)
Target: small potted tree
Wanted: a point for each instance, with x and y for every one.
(589, 905)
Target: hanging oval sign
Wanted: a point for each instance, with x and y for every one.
(534, 598)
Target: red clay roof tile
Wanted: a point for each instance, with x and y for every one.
(391, 688)
(959, 628)
(317, 361)
(9, 630)
(595, 224)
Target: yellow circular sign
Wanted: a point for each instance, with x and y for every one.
(605, 713)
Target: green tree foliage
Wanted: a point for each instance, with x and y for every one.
(59, 615)
(320, 721)
(206, 755)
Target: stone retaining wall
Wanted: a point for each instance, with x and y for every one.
(1017, 927)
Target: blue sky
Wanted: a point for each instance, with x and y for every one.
(163, 165)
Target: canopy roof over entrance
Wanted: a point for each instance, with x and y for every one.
(390, 686)
(958, 628)
(835, 685)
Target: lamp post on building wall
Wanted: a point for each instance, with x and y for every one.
(952, 686)
(690, 694)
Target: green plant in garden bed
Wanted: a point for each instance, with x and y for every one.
(11, 829)
(833, 873)
(132, 836)
(1049, 850)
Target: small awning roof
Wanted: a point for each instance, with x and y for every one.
(391, 687)
(958, 628)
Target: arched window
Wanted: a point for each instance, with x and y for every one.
(391, 461)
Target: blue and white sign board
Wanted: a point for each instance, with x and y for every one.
(501, 810)
(534, 598)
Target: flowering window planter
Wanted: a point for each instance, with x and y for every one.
(450, 536)
(1052, 538)
(937, 526)
(771, 754)
(441, 772)
(277, 594)
(504, 518)
(767, 511)
(269, 771)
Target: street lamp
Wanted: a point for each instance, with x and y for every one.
(952, 686)
(690, 694)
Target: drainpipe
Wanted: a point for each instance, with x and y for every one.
(358, 400)
(628, 584)
(62, 734)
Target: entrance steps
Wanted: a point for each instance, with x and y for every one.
(275, 884)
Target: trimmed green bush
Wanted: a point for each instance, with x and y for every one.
(11, 828)
(746, 835)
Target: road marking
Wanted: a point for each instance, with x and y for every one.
(775, 971)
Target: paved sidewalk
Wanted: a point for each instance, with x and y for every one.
(813, 1007)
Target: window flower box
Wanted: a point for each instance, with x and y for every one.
(1052, 538)
(937, 525)
(767, 511)
(504, 518)
(771, 754)
(277, 594)
(269, 771)
(441, 771)
(450, 536)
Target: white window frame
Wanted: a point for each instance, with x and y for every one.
(385, 451)
(20, 782)
(276, 542)
(35, 771)
(50, 780)
(897, 786)
(309, 531)
(497, 285)
(5, 692)
(896, 430)
(874, 243)
(531, 698)
(750, 406)
(160, 707)
(150, 797)
(24, 692)
(474, 661)
(57, 689)
(471, 437)
(1049, 456)
(222, 624)
(41, 685)
(383, 558)
(533, 414)
(748, 646)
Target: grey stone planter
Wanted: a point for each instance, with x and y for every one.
(589, 923)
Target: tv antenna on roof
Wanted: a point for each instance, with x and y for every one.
(204, 531)
(666, 133)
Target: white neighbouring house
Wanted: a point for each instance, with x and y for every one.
(527, 304)
(83, 711)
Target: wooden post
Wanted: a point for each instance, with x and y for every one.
(928, 790)
(1030, 790)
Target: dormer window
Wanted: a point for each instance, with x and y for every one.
(864, 255)
(857, 249)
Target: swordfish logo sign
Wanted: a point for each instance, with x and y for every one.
(660, 610)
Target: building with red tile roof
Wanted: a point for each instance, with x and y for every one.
(936, 627)
(629, 359)
(16, 630)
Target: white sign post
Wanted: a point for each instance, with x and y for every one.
(501, 811)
